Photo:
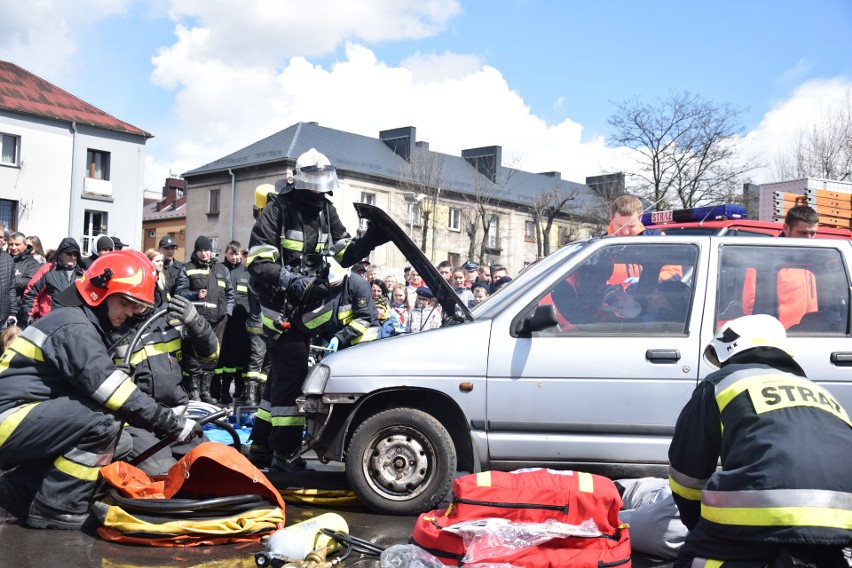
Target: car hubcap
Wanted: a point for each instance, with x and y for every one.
(398, 465)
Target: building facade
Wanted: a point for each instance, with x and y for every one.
(455, 208)
(66, 167)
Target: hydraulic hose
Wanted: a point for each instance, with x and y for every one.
(191, 507)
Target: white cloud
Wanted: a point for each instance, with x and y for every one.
(809, 104)
(42, 36)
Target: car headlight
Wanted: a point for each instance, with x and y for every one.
(316, 379)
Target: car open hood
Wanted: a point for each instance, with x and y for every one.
(449, 300)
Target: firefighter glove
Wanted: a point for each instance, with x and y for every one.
(191, 430)
(182, 310)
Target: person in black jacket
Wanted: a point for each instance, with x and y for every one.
(171, 267)
(297, 229)
(63, 399)
(7, 287)
(103, 245)
(233, 360)
(204, 280)
(25, 267)
(51, 280)
(784, 492)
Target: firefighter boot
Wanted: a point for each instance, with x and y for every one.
(250, 395)
(224, 394)
(205, 396)
(239, 387)
(195, 387)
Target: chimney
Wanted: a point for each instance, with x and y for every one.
(400, 140)
(486, 160)
(554, 175)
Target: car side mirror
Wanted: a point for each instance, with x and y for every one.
(543, 317)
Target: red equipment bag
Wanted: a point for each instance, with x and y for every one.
(532, 496)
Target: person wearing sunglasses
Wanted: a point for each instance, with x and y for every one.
(50, 280)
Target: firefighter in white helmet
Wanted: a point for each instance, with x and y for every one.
(784, 491)
(293, 236)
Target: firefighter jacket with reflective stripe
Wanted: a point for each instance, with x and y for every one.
(196, 275)
(65, 354)
(349, 315)
(157, 359)
(785, 446)
(296, 234)
(240, 282)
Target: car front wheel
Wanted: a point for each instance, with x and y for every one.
(401, 462)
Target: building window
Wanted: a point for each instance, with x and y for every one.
(493, 233)
(369, 199)
(454, 258)
(213, 202)
(414, 213)
(529, 231)
(97, 164)
(455, 220)
(9, 214)
(9, 149)
(94, 225)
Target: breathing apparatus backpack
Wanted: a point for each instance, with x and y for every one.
(213, 495)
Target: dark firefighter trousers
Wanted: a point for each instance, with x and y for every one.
(57, 448)
(278, 426)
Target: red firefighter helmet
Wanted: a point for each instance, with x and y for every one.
(127, 272)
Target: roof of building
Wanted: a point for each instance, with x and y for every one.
(150, 213)
(23, 92)
(359, 154)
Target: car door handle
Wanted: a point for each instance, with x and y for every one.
(668, 356)
(841, 359)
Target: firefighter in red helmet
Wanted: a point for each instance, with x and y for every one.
(63, 399)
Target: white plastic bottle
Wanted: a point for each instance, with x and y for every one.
(297, 541)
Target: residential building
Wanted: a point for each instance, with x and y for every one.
(67, 168)
(454, 207)
(166, 217)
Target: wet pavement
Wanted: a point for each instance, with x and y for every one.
(24, 547)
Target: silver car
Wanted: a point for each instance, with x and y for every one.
(584, 361)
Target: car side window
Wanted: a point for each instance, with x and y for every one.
(806, 288)
(624, 289)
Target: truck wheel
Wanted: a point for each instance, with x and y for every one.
(401, 462)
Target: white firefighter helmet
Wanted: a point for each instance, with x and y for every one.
(335, 272)
(315, 173)
(747, 332)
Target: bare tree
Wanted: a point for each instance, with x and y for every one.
(423, 177)
(491, 183)
(685, 146)
(545, 207)
(822, 149)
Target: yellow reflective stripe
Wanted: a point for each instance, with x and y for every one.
(76, 470)
(242, 288)
(779, 516)
(318, 321)
(585, 482)
(263, 414)
(198, 272)
(268, 322)
(727, 394)
(483, 479)
(121, 394)
(287, 420)
(683, 491)
(24, 347)
(155, 349)
(12, 419)
(220, 283)
(359, 325)
(344, 314)
(288, 244)
(371, 334)
(789, 392)
(262, 251)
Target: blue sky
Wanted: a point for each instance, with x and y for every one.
(537, 77)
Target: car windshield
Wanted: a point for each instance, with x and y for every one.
(530, 276)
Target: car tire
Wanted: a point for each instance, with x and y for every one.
(401, 462)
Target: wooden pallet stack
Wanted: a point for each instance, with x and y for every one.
(834, 208)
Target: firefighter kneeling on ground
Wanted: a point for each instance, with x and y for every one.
(293, 234)
(783, 496)
(63, 399)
